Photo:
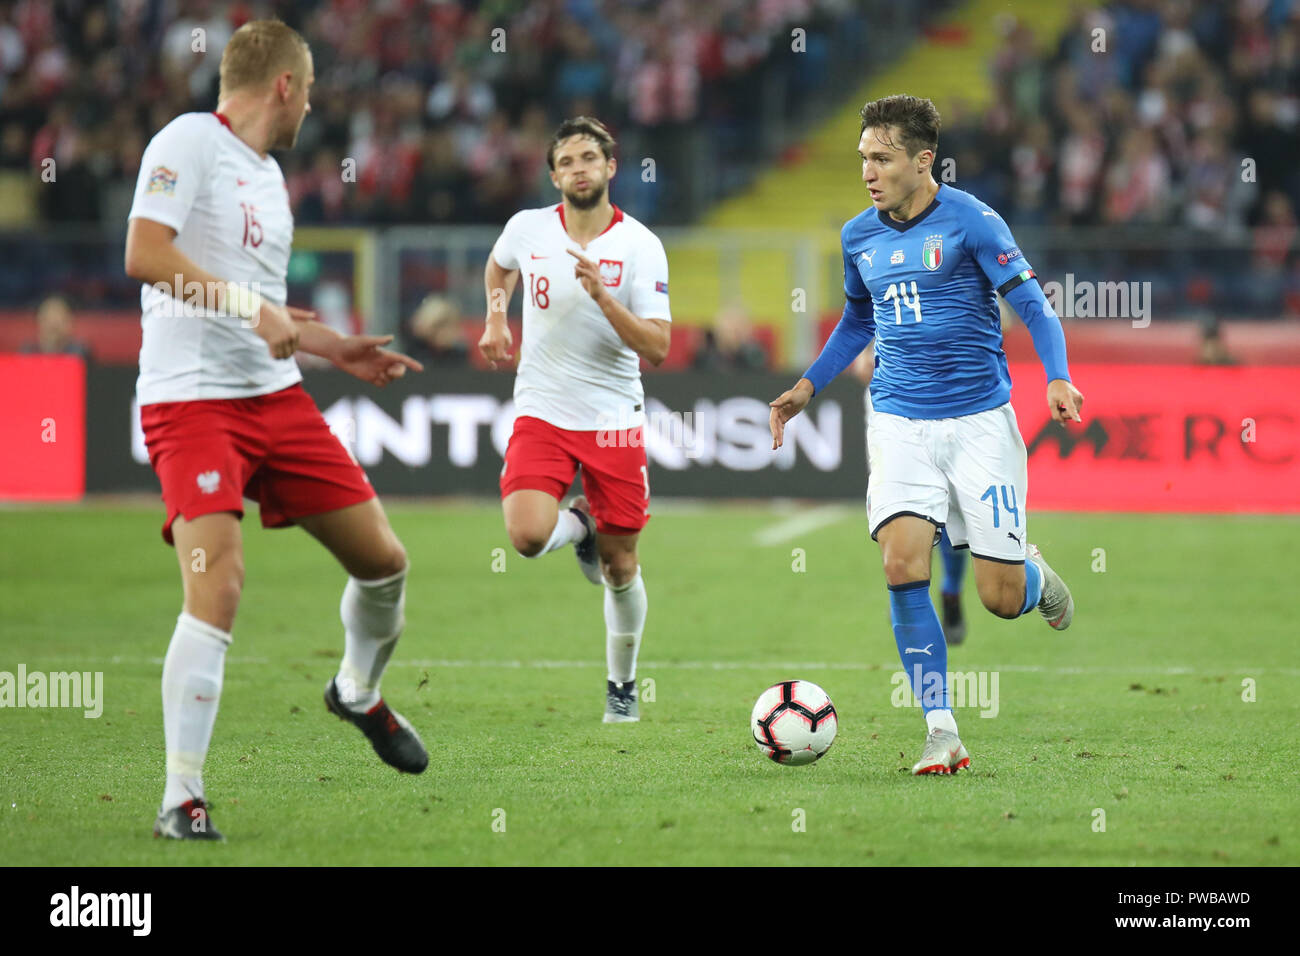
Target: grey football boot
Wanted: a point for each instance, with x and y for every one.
(620, 703)
(1056, 605)
(585, 550)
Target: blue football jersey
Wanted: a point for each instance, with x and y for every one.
(932, 282)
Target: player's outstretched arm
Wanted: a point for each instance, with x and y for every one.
(1064, 401)
(648, 338)
(853, 333)
(996, 253)
(152, 258)
(361, 355)
(499, 285)
(787, 405)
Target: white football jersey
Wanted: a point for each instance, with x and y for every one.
(230, 210)
(574, 370)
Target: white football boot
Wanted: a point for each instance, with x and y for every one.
(943, 753)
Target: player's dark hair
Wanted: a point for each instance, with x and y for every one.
(581, 126)
(916, 118)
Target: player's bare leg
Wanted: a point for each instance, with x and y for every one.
(905, 544)
(1010, 590)
(530, 518)
(1001, 586)
(536, 524)
(362, 540)
(625, 614)
(618, 558)
(210, 551)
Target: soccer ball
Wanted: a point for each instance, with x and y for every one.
(794, 722)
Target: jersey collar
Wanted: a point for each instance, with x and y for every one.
(888, 220)
(225, 121)
(613, 220)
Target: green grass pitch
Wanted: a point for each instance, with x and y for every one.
(1168, 711)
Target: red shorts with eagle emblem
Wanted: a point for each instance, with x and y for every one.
(275, 449)
(542, 457)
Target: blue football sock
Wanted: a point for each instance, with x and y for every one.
(921, 646)
(954, 565)
(1033, 587)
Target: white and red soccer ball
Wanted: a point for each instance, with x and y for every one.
(794, 722)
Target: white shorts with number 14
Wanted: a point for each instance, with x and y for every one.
(968, 474)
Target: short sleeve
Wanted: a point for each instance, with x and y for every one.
(173, 170)
(649, 294)
(503, 252)
(991, 245)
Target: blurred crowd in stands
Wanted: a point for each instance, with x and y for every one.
(1146, 112)
(1173, 113)
(444, 108)
(1181, 114)
(1143, 113)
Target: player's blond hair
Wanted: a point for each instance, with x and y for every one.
(259, 51)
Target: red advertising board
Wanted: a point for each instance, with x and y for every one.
(1162, 438)
(42, 427)
(1165, 438)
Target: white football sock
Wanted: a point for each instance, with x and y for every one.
(941, 720)
(568, 529)
(191, 689)
(625, 610)
(372, 623)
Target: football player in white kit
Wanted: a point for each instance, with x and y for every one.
(225, 415)
(595, 285)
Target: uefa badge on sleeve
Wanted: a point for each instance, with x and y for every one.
(161, 180)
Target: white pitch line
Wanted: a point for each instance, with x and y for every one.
(830, 665)
(802, 523)
(786, 666)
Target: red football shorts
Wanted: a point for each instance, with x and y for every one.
(614, 477)
(275, 449)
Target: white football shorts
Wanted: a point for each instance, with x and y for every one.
(969, 474)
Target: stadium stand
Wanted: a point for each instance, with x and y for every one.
(1182, 132)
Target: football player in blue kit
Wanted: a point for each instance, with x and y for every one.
(954, 560)
(922, 265)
